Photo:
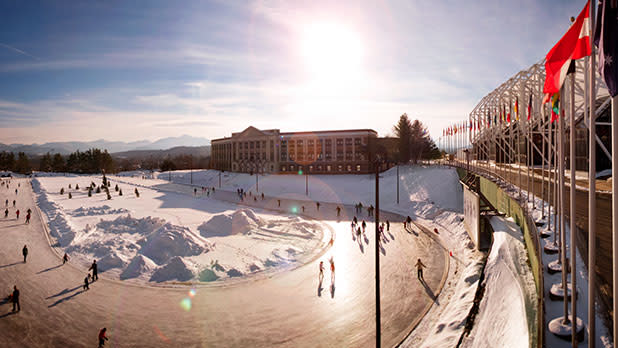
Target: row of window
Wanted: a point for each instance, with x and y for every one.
(319, 168)
(320, 157)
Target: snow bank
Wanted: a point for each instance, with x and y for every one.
(102, 210)
(140, 265)
(508, 302)
(239, 222)
(176, 269)
(168, 241)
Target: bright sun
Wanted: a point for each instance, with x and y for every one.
(332, 53)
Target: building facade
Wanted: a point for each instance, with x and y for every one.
(270, 151)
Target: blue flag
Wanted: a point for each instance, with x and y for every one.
(606, 39)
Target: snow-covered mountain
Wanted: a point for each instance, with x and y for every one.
(111, 146)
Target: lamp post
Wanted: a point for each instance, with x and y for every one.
(219, 179)
(397, 182)
(377, 163)
(306, 183)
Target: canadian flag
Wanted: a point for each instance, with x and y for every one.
(575, 44)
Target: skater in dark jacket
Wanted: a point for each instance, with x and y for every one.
(86, 281)
(95, 271)
(15, 299)
(65, 258)
(6, 213)
(24, 251)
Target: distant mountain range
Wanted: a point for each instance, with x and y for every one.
(111, 146)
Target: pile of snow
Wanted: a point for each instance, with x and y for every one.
(102, 210)
(501, 323)
(168, 241)
(176, 269)
(239, 222)
(138, 266)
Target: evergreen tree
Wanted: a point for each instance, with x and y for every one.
(22, 165)
(45, 165)
(403, 131)
(422, 147)
(58, 164)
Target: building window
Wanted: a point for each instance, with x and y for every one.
(310, 142)
(348, 141)
(357, 141)
(328, 168)
(257, 144)
(310, 169)
(251, 145)
(358, 167)
(319, 168)
(320, 157)
(300, 156)
(348, 156)
(329, 156)
(349, 168)
(263, 143)
(283, 157)
(246, 145)
(283, 168)
(339, 156)
(292, 168)
(340, 168)
(329, 142)
(284, 143)
(310, 156)
(339, 141)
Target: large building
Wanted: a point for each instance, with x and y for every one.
(270, 151)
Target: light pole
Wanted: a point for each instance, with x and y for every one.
(397, 182)
(191, 168)
(306, 183)
(377, 254)
(219, 179)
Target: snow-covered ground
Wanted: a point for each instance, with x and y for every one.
(166, 236)
(501, 322)
(423, 190)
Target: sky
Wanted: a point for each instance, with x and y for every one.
(144, 70)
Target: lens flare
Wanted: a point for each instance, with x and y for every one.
(186, 304)
(192, 292)
(294, 210)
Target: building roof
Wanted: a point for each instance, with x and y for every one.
(331, 131)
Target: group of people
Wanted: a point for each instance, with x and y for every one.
(332, 271)
(358, 209)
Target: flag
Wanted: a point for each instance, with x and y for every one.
(575, 44)
(508, 116)
(555, 106)
(606, 39)
(517, 108)
(529, 106)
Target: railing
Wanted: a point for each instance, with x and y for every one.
(513, 207)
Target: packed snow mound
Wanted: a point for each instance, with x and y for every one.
(241, 221)
(169, 241)
(111, 260)
(176, 269)
(102, 210)
(130, 225)
(138, 266)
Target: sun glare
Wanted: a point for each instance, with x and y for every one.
(332, 53)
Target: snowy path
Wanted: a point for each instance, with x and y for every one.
(285, 309)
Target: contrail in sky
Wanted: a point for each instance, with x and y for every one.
(19, 51)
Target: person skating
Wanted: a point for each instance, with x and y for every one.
(278, 203)
(15, 299)
(355, 220)
(419, 269)
(24, 251)
(332, 270)
(65, 258)
(28, 218)
(17, 213)
(86, 282)
(95, 272)
(6, 203)
(6, 213)
(102, 337)
(317, 205)
(363, 225)
(338, 211)
(262, 195)
(321, 275)
(303, 208)
(14, 203)
(29, 211)
(15, 191)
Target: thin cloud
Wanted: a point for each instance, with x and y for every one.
(19, 51)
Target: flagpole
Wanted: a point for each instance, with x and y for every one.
(561, 184)
(592, 207)
(542, 130)
(572, 226)
(615, 209)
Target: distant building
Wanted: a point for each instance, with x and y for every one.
(270, 151)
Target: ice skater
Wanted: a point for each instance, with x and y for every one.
(86, 282)
(338, 211)
(17, 214)
(332, 271)
(24, 251)
(321, 275)
(364, 225)
(95, 272)
(27, 218)
(6, 203)
(388, 226)
(14, 203)
(6, 213)
(15, 299)
(65, 258)
(419, 269)
(102, 337)
(317, 205)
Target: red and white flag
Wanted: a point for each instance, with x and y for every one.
(575, 44)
